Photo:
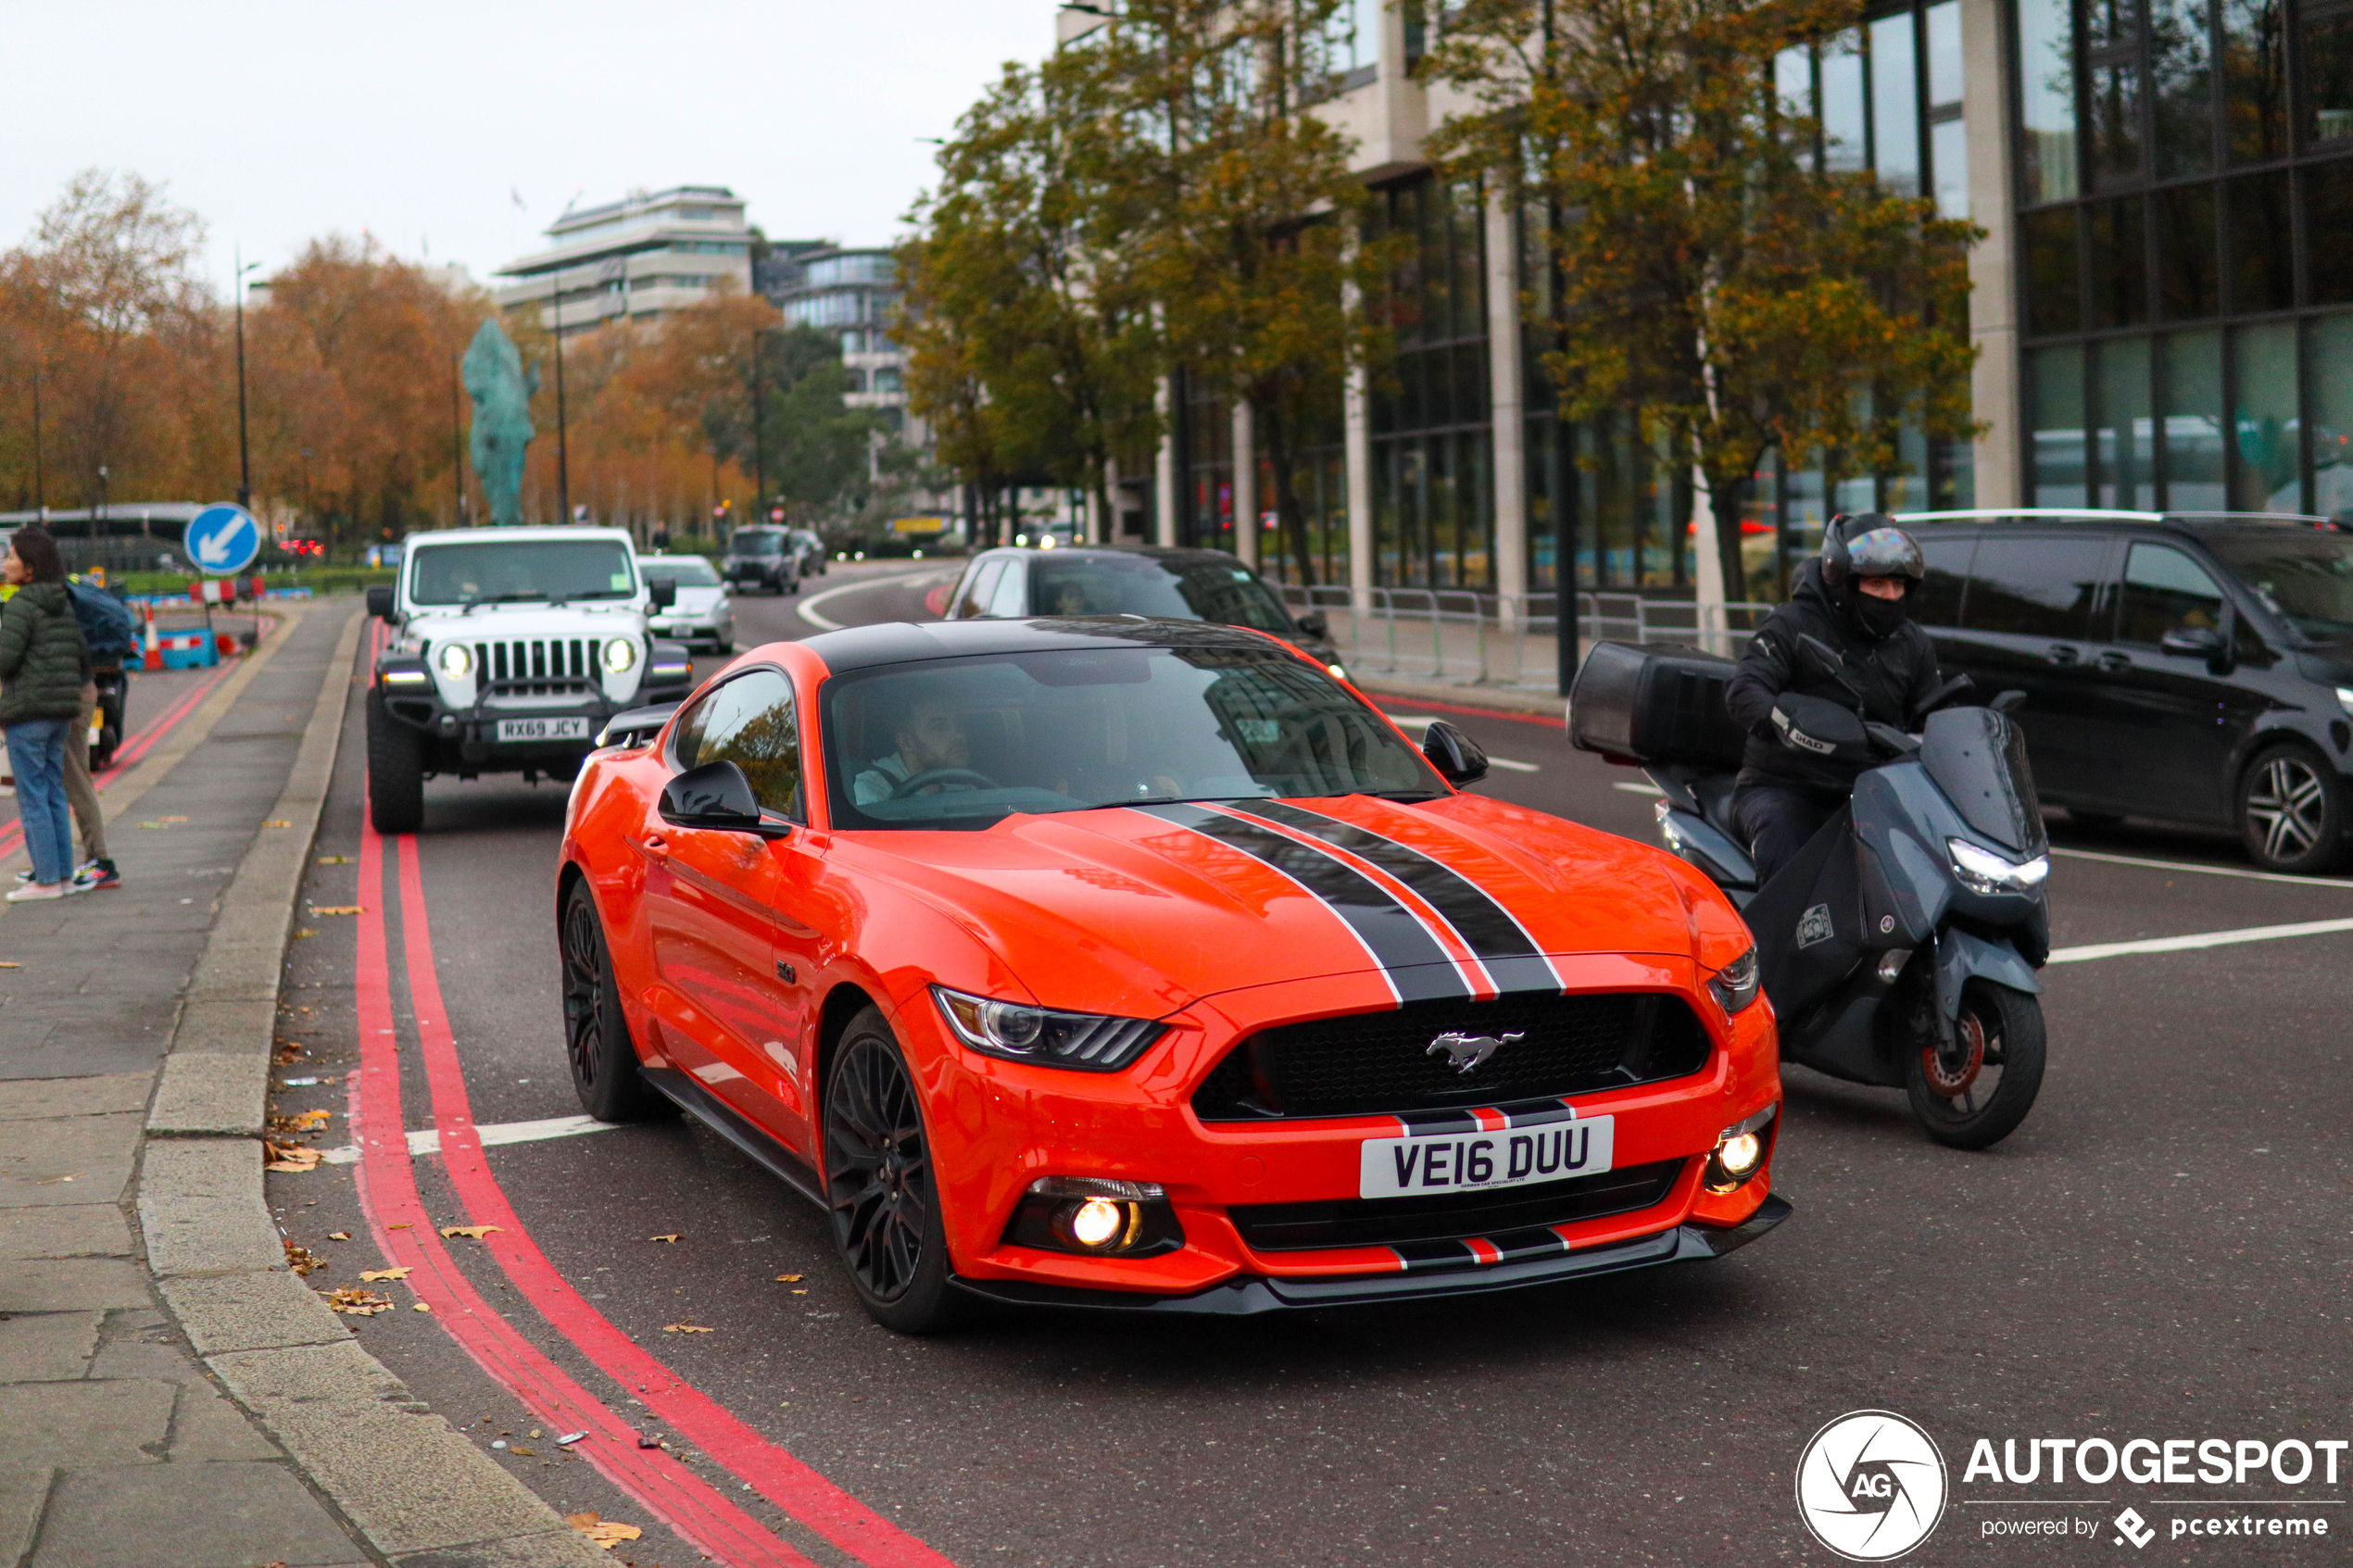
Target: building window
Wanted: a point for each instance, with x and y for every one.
(2047, 83)
(2255, 79)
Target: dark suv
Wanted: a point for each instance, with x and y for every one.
(1154, 579)
(2190, 667)
(762, 558)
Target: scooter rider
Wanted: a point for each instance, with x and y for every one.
(1856, 598)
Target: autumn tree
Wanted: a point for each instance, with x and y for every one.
(1703, 272)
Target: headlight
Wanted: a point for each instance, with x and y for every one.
(1740, 1151)
(1088, 1041)
(2345, 699)
(457, 661)
(1735, 985)
(1981, 871)
(620, 655)
(1337, 673)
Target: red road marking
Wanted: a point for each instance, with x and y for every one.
(1415, 705)
(388, 1196)
(702, 1420)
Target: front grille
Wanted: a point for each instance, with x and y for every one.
(1369, 1063)
(537, 659)
(1382, 1222)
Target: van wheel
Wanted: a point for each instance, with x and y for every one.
(395, 772)
(2292, 811)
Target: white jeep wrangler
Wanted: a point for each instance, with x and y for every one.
(512, 646)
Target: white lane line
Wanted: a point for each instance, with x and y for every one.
(1511, 765)
(807, 606)
(427, 1140)
(1632, 788)
(2201, 939)
(2338, 883)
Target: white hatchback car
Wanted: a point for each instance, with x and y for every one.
(703, 615)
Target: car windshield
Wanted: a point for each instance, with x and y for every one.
(687, 571)
(1207, 589)
(756, 542)
(965, 742)
(2304, 575)
(497, 570)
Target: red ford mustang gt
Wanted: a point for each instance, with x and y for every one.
(1141, 964)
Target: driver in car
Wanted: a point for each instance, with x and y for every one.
(1857, 598)
(930, 734)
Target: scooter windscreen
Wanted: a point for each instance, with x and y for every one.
(1978, 759)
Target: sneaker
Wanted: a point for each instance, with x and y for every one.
(24, 876)
(96, 876)
(33, 892)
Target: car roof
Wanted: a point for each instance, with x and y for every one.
(1116, 552)
(2032, 516)
(902, 642)
(555, 530)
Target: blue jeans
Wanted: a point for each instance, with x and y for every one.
(37, 756)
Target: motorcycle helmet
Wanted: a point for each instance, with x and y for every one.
(1865, 544)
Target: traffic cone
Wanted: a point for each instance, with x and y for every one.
(154, 660)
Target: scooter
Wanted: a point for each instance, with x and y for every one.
(106, 723)
(1899, 947)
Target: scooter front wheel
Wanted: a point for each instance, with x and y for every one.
(1974, 1094)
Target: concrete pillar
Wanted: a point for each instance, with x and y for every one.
(1356, 410)
(1507, 381)
(1165, 470)
(1245, 483)
(1993, 266)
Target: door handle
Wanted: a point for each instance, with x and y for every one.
(2063, 653)
(655, 845)
(2113, 661)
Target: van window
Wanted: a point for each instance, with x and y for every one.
(2036, 587)
(975, 598)
(2165, 590)
(1938, 602)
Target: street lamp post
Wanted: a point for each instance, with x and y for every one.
(456, 451)
(564, 451)
(39, 490)
(758, 436)
(245, 457)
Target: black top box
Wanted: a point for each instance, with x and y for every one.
(1645, 703)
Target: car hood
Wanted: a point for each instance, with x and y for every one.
(697, 598)
(1143, 911)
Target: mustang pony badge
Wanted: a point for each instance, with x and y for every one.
(1465, 1052)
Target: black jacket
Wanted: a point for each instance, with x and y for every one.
(1898, 675)
(44, 661)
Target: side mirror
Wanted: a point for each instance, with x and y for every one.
(661, 591)
(1313, 624)
(380, 602)
(1457, 758)
(715, 796)
(2198, 642)
(2010, 701)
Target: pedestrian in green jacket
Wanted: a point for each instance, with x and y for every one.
(43, 665)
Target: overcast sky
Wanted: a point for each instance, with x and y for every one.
(420, 121)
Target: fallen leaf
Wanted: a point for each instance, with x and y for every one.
(5, 965)
(334, 860)
(312, 1121)
(671, 1237)
(401, 1226)
(374, 1274)
(800, 1293)
(527, 1453)
(474, 1233)
(606, 1534)
(338, 1235)
(174, 818)
(304, 1261)
(421, 1307)
(789, 1279)
(289, 1157)
(274, 823)
(336, 910)
(306, 930)
(686, 1328)
(357, 1303)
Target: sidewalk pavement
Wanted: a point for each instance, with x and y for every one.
(170, 1392)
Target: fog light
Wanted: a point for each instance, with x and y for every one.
(1739, 1152)
(1097, 1215)
(1097, 1223)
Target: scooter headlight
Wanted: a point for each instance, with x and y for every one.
(1735, 986)
(457, 661)
(1981, 871)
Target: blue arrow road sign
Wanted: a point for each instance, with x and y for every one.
(223, 540)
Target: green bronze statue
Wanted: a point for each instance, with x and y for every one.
(501, 390)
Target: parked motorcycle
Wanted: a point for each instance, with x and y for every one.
(1899, 947)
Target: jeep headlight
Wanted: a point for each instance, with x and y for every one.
(457, 661)
(1981, 871)
(620, 655)
(1088, 1041)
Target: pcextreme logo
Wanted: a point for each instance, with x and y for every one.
(1870, 1486)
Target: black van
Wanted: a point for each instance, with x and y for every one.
(2190, 667)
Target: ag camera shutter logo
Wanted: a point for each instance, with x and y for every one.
(1872, 1486)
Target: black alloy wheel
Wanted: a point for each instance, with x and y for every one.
(395, 772)
(597, 1044)
(1973, 1092)
(880, 1185)
(2292, 811)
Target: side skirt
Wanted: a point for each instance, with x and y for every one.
(730, 1123)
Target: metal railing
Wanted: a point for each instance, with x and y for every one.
(1470, 638)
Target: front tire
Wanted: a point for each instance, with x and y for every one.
(881, 1185)
(2292, 811)
(395, 772)
(1976, 1094)
(602, 1057)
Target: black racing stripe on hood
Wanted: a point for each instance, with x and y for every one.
(1485, 926)
(1418, 968)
